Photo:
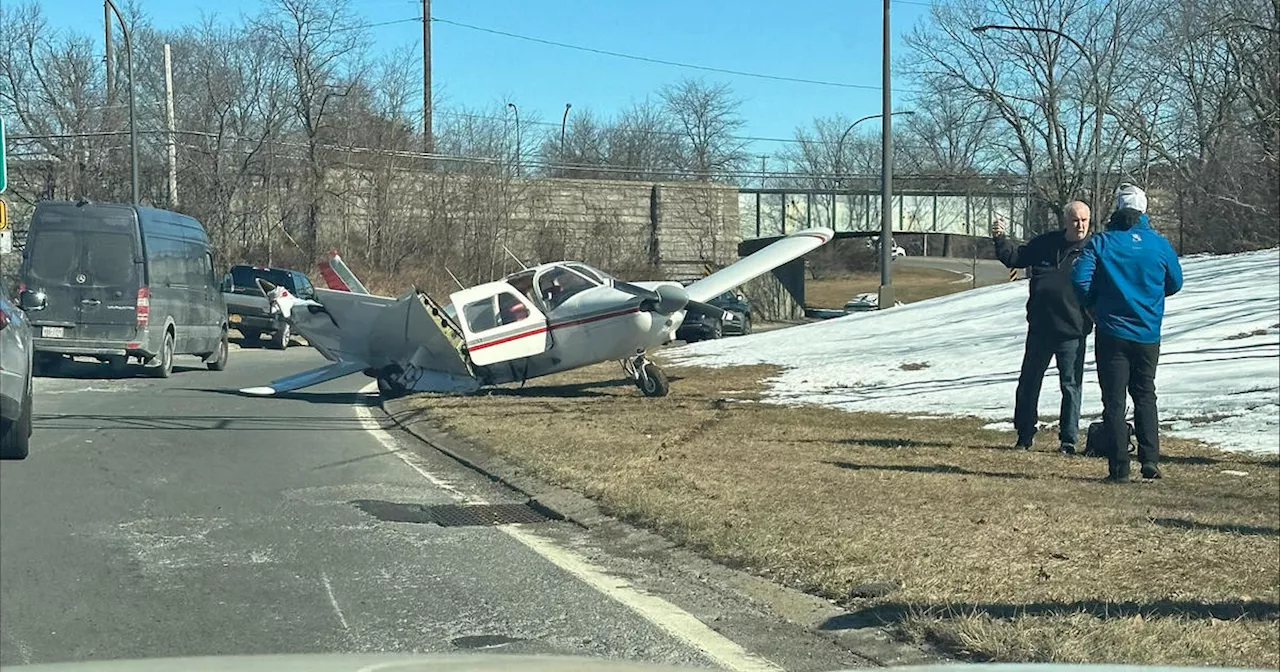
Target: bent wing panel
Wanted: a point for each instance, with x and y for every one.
(753, 266)
(298, 381)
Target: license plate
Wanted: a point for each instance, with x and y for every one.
(51, 332)
(235, 318)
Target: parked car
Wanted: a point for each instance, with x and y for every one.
(248, 310)
(117, 281)
(863, 302)
(700, 327)
(15, 382)
(737, 312)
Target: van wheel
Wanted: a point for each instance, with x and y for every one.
(280, 339)
(224, 350)
(165, 368)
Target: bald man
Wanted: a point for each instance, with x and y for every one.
(1057, 325)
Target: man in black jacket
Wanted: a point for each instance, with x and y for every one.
(1056, 324)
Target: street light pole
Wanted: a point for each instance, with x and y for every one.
(563, 121)
(886, 169)
(133, 123)
(517, 111)
(840, 143)
(1097, 102)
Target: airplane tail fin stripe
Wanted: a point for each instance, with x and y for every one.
(338, 277)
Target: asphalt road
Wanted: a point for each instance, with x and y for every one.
(179, 518)
(989, 272)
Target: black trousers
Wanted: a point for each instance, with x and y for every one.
(1126, 366)
(1069, 355)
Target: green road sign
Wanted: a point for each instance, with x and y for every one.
(4, 181)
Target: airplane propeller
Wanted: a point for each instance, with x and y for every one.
(667, 299)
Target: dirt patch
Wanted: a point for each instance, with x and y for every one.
(990, 553)
(909, 285)
(914, 366)
(1248, 334)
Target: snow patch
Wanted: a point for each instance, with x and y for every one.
(1218, 378)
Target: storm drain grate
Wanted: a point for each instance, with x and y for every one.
(452, 515)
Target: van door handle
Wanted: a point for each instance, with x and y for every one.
(90, 302)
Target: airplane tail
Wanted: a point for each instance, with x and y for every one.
(338, 277)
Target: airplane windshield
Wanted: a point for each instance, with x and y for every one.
(591, 272)
(557, 284)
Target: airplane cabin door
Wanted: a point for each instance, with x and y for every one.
(500, 324)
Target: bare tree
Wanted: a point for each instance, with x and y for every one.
(707, 118)
(319, 40)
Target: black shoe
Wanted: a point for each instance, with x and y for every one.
(1118, 472)
(1023, 444)
(1067, 448)
(1112, 478)
(1150, 470)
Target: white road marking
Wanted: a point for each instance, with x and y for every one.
(673, 620)
(328, 589)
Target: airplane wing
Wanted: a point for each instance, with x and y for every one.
(315, 376)
(753, 266)
(338, 277)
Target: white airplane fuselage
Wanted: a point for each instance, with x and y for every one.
(600, 324)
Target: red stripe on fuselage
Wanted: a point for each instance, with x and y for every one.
(553, 327)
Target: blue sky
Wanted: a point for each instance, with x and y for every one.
(834, 41)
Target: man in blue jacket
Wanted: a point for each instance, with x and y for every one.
(1123, 276)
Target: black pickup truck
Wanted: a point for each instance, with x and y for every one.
(248, 310)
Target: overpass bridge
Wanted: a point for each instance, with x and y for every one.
(937, 215)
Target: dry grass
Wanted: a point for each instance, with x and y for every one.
(1000, 554)
(910, 284)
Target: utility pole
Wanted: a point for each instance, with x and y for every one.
(133, 122)
(886, 168)
(172, 146)
(106, 23)
(428, 141)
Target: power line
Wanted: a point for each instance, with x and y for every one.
(647, 59)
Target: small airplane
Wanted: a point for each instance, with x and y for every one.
(534, 322)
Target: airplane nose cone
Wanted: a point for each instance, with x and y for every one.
(671, 298)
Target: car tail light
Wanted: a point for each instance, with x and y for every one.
(144, 307)
(4, 320)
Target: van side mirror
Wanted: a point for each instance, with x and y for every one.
(33, 301)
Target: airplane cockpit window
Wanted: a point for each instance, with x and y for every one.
(480, 315)
(591, 273)
(558, 284)
(511, 309)
(523, 282)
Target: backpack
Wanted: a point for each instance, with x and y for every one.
(1097, 444)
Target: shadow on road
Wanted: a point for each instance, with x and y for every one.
(338, 398)
(160, 422)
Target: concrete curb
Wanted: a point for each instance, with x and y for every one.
(808, 611)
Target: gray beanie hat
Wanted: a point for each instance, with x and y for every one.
(1132, 197)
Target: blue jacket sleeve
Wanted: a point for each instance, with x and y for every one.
(1172, 272)
(1082, 271)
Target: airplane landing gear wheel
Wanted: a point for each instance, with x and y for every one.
(653, 382)
(647, 376)
(390, 389)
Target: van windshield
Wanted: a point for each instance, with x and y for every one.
(105, 259)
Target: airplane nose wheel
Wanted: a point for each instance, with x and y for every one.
(648, 377)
